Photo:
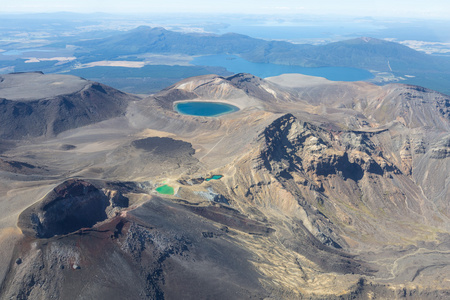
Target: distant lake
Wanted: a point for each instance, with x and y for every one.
(22, 51)
(204, 109)
(236, 64)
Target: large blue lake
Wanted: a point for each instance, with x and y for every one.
(236, 64)
(204, 109)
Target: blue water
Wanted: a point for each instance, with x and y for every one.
(22, 51)
(214, 177)
(204, 109)
(239, 65)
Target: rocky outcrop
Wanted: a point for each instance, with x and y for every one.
(443, 105)
(293, 146)
(442, 149)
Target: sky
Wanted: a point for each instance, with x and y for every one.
(433, 9)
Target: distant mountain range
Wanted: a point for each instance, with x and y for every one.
(365, 53)
(388, 61)
(401, 62)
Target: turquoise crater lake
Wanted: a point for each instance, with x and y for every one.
(204, 109)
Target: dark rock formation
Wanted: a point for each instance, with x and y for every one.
(443, 104)
(67, 147)
(442, 149)
(164, 146)
(20, 167)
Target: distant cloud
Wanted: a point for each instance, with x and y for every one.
(289, 8)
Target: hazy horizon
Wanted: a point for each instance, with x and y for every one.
(433, 9)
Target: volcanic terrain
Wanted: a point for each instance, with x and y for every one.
(329, 190)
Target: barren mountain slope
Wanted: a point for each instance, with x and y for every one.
(34, 104)
(327, 190)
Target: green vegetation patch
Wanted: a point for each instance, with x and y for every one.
(165, 190)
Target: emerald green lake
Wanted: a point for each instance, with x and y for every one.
(204, 109)
(165, 190)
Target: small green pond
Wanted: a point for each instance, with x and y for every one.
(165, 190)
(214, 177)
